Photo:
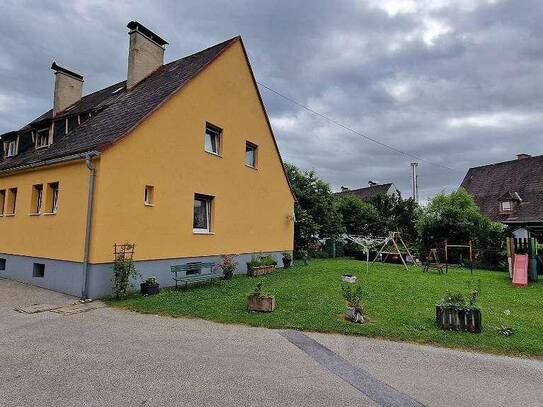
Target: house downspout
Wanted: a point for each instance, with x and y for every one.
(92, 174)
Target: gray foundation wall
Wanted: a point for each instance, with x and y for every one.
(67, 277)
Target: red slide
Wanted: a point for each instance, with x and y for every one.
(520, 270)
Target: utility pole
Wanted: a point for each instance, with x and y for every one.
(414, 182)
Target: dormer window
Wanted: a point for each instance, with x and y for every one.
(506, 206)
(42, 138)
(10, 148)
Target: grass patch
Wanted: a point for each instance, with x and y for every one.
(400, 304)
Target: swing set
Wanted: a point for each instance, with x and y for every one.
(468, 246)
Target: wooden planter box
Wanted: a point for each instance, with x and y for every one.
(260, 304)
(451, 319)
(149, 289)
(259, 271)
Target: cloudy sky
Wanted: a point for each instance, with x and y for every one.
(455, 83)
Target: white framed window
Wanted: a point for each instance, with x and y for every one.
(506, 206)
(212, 143)
(202, 213)
(54, 197)
(250, 154)
(149, 195)
(37, 198)
(42, 138)
(11, 148)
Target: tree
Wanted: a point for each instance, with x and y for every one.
(359, 217)
(457, 218)
(315, 210)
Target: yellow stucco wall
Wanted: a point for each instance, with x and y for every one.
(58, 236)
(251, 207)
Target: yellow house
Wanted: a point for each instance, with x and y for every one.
(179, 159)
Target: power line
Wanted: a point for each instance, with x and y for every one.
(395, 149)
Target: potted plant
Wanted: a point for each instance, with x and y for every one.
(228, 266)
(352, 293)
(260, 302)
(261, 264)
(150, 286)
(454, 313)
(287, 259)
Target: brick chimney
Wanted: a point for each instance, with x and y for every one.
(68, 88)
(523, 156)
(145, 53)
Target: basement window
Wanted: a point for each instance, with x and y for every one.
(250, 154)
(2, 264)
(38, 270)
(37, 199)
(202, 214)
(42, 138)
(149, 195)
(52, 198)
(11, 201)
(213, 139)
(2, 201)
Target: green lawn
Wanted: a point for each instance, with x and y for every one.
(399, 303)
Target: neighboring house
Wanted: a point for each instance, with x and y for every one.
(179, 159)
(510, 192)
(373, 189)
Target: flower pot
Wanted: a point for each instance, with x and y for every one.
(286, 262)
(261, 303)
(459, 319)
(354, 314)
(253, 271)
(349, 278)
(149, 288)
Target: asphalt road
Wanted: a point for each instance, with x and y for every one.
(111, 357)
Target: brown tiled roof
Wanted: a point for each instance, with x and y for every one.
(367, 192)
(116, 113)
(489, 183)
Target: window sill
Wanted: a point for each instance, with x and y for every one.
(149, 205)
(213, 154)
(251, 167)
(42, 147)
(202, 232)
(49, 213)
(9, 215)
(34, 214)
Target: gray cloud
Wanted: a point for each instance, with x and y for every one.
(453, 82)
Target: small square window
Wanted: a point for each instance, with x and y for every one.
(38, 270)
(149, 195)
(59, 128)
(42, 138)
(250, 154)
(202, 214)
(10, 148)
(2, 264)
(37, 198)
(506, 206)
(213, 139)
(73, 122)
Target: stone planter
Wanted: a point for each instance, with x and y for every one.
(354, 314)
(260, 303)
(348, 278)
(260, 270)
(149, 288)
(453, 319)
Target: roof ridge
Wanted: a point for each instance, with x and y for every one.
(515, 160)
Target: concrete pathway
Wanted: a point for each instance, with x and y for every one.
(112, 357)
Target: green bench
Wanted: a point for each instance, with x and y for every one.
(192, 273)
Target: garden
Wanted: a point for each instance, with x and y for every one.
(397, 304)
